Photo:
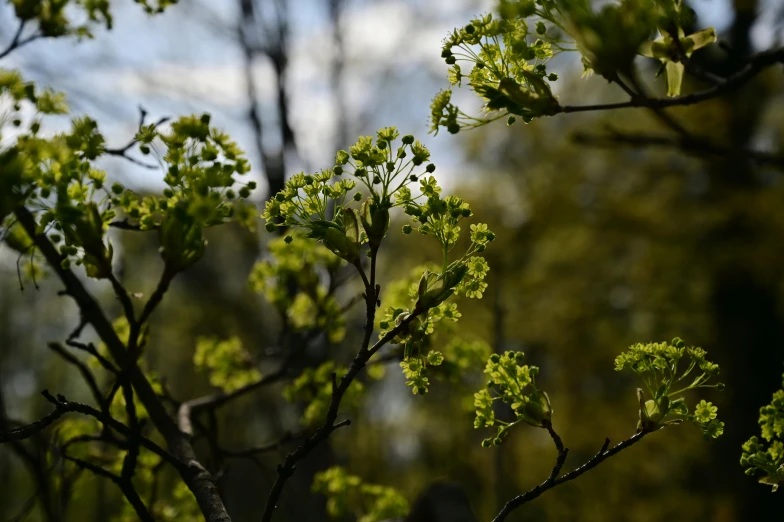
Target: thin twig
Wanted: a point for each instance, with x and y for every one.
(18, 41)
(553, 481)
(698, 147)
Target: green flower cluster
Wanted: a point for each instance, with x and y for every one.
(226, 362)
(298, 265)
(348, 495)
(658, 366)
(505, 60)
(55, 177)
(514, 383)
(314, 387)
(381, 169)
(53, 17)
(766, 457)
(458, 353)
(508, 69)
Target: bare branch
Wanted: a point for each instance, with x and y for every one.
(696, 147)
(18, 41)
(553, 480)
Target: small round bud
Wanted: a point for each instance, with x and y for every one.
(417, 161)
(382, 144)
(453, 128)
(230, 194)
(490, 236)
(511, 120)
(144, 149)
(552, 77)
(270, 226)
(45, 192)
(430, 168)
(252, 185)
(390, 166)
(480, 65)
(56, 238)
(450, 60)
(497, 441)
(470, 29)
(721, 386)
(280, 197)
(205, 119)
(357, 196)
(338, 170)
(408, 139)
(34, 127)
(17, 122)
(540, 28)
(360, 172)
(168, 192)
(495, 358)
(244, 192)
(288, 239)
(446, 53)
(384, 325)
(376, 179)
(407, 229)
(413, 177)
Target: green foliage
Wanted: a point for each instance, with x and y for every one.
(228, 365)
(298, 265)
(456, 353)
(385, 173)
(314, 388)
(658, 366)
(505, 60)
(56, 176)
(765, 458)
(348, 494)
(54, 18)
(513, 383)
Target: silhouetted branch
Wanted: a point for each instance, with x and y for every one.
(553, 480)
(339, 389)
(125, 485)
(123, 151)
(696, 147)
(18, 41)
(755, 65)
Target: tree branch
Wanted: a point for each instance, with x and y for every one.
(757, 64)
(696, 147)
(196, 477)
(339, 389)
(553, 480)
(18, 41)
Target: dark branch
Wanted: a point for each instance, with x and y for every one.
(339, 388)
(18, 41)
(258, 450)
(697, 147)
(87, 375)
(553, 480)
(125, 485)
(755, 66)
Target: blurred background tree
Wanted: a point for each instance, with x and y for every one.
(597, 248)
